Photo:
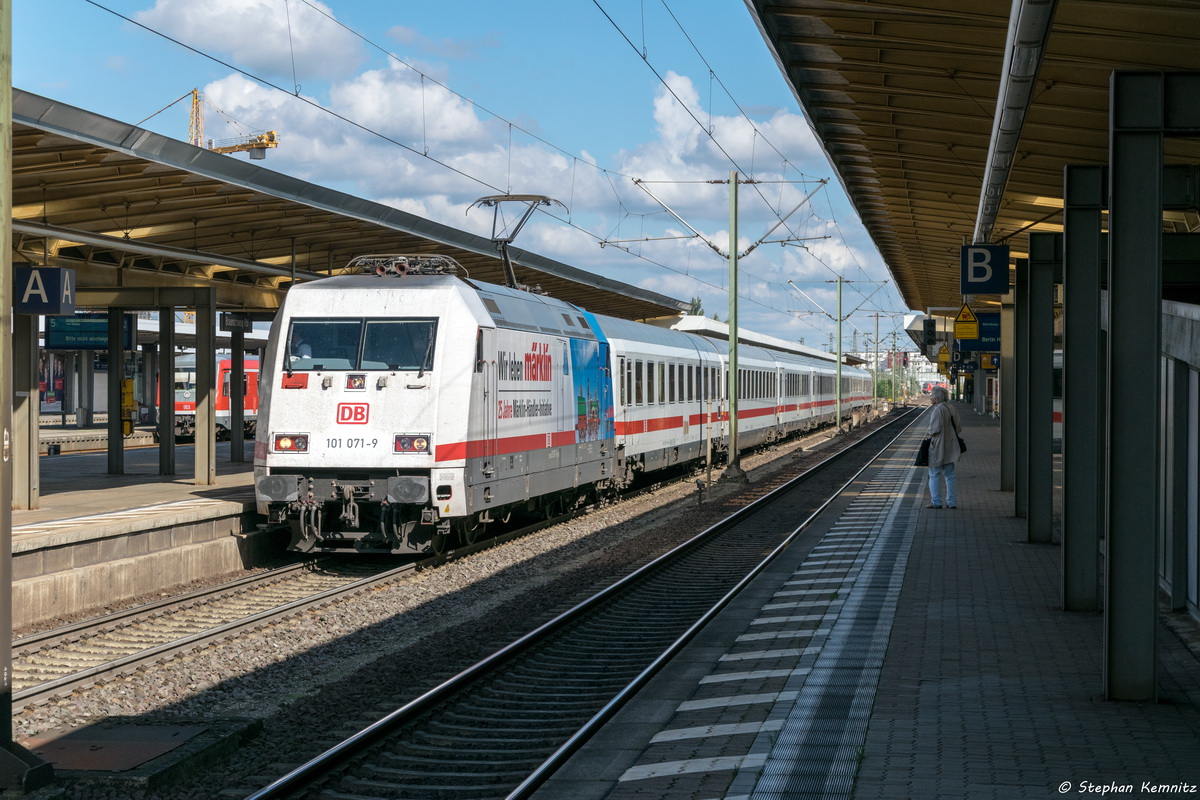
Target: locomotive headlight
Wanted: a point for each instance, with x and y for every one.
(411, 443)
(356, 382)
(291, 443)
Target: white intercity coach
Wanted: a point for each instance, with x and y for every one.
(404, 407)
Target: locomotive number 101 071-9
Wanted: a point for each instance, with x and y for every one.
(351, 443)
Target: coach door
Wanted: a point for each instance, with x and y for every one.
(777, 394)
(488, 374)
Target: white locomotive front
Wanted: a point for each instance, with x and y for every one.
(406, 406)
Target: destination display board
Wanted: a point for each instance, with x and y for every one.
(85, 332)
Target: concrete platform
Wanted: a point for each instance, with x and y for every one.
(100, 538)
(129, 756)
(912, 653)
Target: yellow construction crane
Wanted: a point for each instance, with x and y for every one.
(256, 144)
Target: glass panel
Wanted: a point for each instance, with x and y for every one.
(399, 344)
(323, 344)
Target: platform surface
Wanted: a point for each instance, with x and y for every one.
(912, 653)
(76, 488)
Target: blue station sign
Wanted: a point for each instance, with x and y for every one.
(85, 332)
(43, 290)
(989, 334)
(984, 269)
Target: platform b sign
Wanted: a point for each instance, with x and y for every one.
(984, 269)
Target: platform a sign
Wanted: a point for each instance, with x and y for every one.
(984, 269)
(43, 290)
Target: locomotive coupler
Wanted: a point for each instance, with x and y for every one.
(349, 513)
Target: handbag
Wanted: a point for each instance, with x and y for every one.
(922, 454)
(962, 446)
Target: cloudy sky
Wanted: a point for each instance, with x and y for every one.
(618, 109)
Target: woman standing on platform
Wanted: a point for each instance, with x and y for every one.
(943, 448)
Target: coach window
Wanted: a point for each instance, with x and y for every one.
(671, 381)
(637, 383)
(650, 395)
(690, 386)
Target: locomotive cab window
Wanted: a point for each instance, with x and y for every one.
(346, 344)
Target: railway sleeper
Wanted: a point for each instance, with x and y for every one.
(406, 751)
(509, 726)
(412, 769)
(406, 790)
(500, 744)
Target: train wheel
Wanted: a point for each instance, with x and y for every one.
(473, 530)
(440, 542)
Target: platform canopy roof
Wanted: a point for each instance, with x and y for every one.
(903, 94)
(127, 207)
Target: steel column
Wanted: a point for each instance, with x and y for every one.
(26, 413)
(1134, 344)
(1021, 370)
(1177, 486)
(116, 371)
(237, 397)
(1083, 430)
(1008, 394)
(19, 769)
(166, 390)
(206, 363)
(1044, 256)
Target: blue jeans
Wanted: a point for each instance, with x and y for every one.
(935, 484)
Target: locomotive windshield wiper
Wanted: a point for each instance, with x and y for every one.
(425, 361)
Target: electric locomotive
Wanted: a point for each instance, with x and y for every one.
(406, 408)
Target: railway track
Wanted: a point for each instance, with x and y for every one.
(52, 663)
(65, 659)
(500, 726)
(55, 662)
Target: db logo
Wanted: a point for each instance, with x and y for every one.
(352, 413)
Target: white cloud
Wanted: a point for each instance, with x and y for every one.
(262, 36)
(472, 154)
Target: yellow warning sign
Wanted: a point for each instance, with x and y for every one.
(966, 324)
(944, 355)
